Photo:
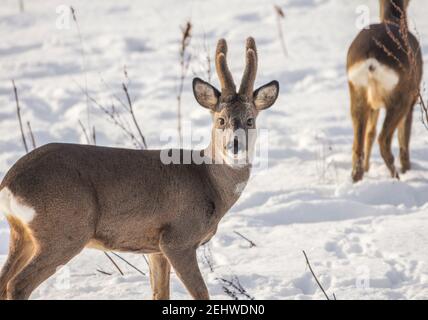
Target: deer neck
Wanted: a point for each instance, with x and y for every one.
(393, 12)
(227, 182)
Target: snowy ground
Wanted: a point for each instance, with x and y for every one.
(365, 241)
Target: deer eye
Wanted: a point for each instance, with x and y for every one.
(250, 122)
(221, 122)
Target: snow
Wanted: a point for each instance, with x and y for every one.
(364, 241)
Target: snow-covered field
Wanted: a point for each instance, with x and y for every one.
(365, 241)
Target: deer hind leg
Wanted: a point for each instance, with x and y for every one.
(370, 137)
(20, 251)
(359, 111)
(394, 114)
(46, 260)
(159, 276)
(404, 133)
(185, 264)
(54, 247)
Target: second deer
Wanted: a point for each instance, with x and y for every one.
(384, 70)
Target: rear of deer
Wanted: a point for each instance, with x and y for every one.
(62, 198)
(384, 71)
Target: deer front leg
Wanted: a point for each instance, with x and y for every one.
(159, 276)
(185, 264)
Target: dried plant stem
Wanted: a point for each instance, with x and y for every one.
(94, 135)
(207, 59)
(104, 272)
(21, 6)
(30, 132)
(116, 119)
(233, 287)
(128, 263)
(315, 277)
(134, 119)
(185, 59)
(147, 261)
(252, 244)
(85, 133)
(279, 17)
(207, 256)
(83, 55)
(114, 263)
(424, 110)
(18, 112)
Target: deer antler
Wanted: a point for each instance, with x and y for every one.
(247, 83)
(223, 72)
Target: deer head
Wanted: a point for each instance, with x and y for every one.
(234, 113)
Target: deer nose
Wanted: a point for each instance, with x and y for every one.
(235, 146)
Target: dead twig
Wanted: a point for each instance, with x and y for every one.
(21, 6)
(85, 133)
(280, 16)
(115, 117)
(114, 263)
(207, 256)
(252, 244)
(18, 112)
(208, 69)
(94, 135)
(316, 279)
(128, 263)
(83, 55)
(147, 261)
(233, 288)
(131, 112)
(30, 132)
(424, 110)
(104, 272)
(185, 59)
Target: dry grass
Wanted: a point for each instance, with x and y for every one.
(185, 59)
(280, 16)
(21, 126)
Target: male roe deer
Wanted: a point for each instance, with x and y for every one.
(384, 70)
(62, 198)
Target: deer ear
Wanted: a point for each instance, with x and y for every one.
(206, 95)
(265, 96)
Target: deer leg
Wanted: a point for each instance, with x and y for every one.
(159, 276)
(392, 119)
(370, 137)
(20, 251)
(359, 112)
(185, 264)
(42, 265)
(404, 132)
(53, 248)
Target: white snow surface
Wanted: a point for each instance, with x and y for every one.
(365, 241)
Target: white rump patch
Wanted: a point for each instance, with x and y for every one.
(13, 206)
(379, 80)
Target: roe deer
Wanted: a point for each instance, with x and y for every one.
(61, 198)
(384, 70)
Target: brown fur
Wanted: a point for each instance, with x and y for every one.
(386, 43)
(122, 200)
